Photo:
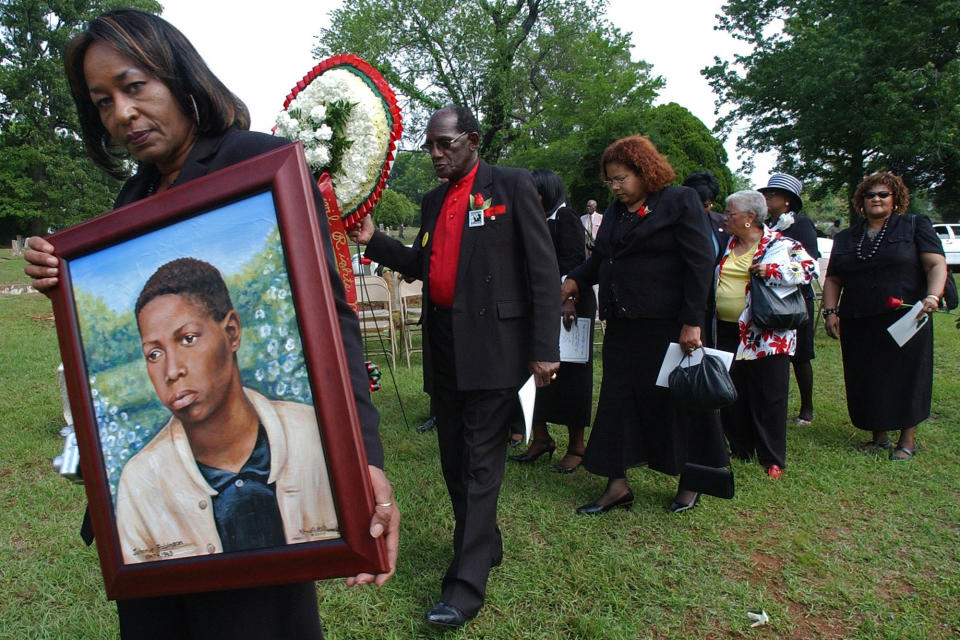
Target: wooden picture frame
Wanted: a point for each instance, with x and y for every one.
(296, 358)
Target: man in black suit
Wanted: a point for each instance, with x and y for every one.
(491, 319)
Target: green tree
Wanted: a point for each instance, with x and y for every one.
(394, 209)
(676, 132)
(412, 175)
(45, 176)
(533, 70)
(841, 88)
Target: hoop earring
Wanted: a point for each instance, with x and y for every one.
(746, 224)
(196, 113)
(106, 148)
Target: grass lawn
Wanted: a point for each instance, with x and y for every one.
(845, 545)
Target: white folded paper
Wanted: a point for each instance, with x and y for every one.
(576, 343)
(907, 326)
(528, 397)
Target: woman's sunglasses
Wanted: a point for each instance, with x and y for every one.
(868, 195)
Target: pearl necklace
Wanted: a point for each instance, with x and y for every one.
(876, 242)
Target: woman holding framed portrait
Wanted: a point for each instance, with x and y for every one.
(144, 93)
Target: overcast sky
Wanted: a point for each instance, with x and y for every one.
(260, 50)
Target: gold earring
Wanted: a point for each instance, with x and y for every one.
(746, 224)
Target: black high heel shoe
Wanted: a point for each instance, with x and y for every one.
(678, 507)
(526, 457)
(625, 501)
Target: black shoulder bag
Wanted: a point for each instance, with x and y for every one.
(774, 313)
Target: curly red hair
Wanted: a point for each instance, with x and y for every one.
(638, 153)
(901, 194)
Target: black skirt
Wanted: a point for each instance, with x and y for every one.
(636, 421)
(804, 351)
(568, 400)
(888, 387)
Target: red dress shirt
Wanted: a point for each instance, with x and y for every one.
(445, 251)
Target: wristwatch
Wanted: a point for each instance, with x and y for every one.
(827, 312)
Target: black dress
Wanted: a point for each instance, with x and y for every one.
(888, 387)
(654, 276)
(568, 399)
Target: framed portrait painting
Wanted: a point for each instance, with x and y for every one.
(218, 436)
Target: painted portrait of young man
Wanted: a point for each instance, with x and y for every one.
(231, 470)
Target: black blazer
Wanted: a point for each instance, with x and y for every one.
(506, 303)
(235, 145)
(569, 243)
(662, 268)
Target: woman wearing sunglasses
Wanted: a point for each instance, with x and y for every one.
(885, 255)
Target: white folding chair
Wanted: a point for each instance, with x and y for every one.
(410, 298)
(376, 316)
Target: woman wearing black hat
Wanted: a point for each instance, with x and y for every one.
(783, 208)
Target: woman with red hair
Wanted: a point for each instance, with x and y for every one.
(653, 260)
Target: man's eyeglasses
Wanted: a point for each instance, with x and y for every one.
(619, 180)
(869, 195)
(443, 144)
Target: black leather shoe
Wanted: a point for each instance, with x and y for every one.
(678, 507)
(625, 501)
(428, 424)
(446, 615)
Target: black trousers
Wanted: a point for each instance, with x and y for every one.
(279, 612)
(757, 421)
(472, 428)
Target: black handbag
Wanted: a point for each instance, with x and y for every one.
(709, 480)
(704, 386)
(774, 313)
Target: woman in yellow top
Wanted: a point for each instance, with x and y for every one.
(757, 421)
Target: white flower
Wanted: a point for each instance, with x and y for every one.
(318, 112)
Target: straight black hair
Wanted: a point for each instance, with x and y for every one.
(159, 48)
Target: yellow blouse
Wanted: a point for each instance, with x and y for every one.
(732, 287)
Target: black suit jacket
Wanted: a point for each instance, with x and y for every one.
(506, 303)
(662, 268)
(235, 145)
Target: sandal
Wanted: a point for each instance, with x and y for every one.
(908, 454)
(559, 468)
(873, 446)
